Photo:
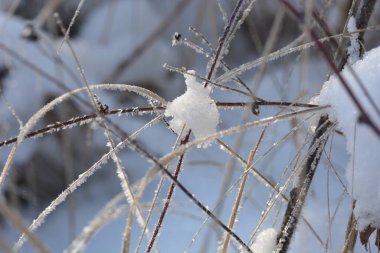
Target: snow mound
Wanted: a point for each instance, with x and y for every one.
(363, 145)
(265, 241)
(194, 109)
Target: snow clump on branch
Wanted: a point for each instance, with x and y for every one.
(194, 109)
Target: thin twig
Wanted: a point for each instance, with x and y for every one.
(214, 62)
(16, 220)
(169, 197)
(298, 194)
(81, 120)
(150, 212)
(239, 196)
(72, 21)
(351, 233)
(81, 179)
(155, 198)
(362, 19)
(218, 51)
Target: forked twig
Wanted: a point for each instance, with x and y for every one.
(214, 63)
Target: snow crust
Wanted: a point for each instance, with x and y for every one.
(363, 145)
(265, 242)
(194, 109)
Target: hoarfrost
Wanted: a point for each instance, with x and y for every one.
(354, 49)
(363, 174)
(194, 109)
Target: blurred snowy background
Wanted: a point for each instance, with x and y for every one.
(128, 42)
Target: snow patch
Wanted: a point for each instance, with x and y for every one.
(194, 109)
(363, 145)
(265, 241)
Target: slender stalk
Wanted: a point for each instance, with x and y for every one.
(351, 233)
(99, 109)
(16, 220)
(57, 126)
(169, 196)
(134, 145)
(150, 212)
(233, 22)
(81, 120)
(243, 181)
(362, 19)
(218, 51)
(298, 194)
(156, 194)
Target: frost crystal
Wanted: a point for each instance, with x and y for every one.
(194, 109)
(363, 171)
(265, 241)
(354, 49)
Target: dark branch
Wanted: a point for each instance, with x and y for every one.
(298, 194)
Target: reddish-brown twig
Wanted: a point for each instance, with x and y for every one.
(233, 21)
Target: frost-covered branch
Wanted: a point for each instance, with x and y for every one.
(298, 194)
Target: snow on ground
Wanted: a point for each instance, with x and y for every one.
(363, 145)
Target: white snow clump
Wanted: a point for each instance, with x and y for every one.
(194, 109)
(363, 145)
(265, 241)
